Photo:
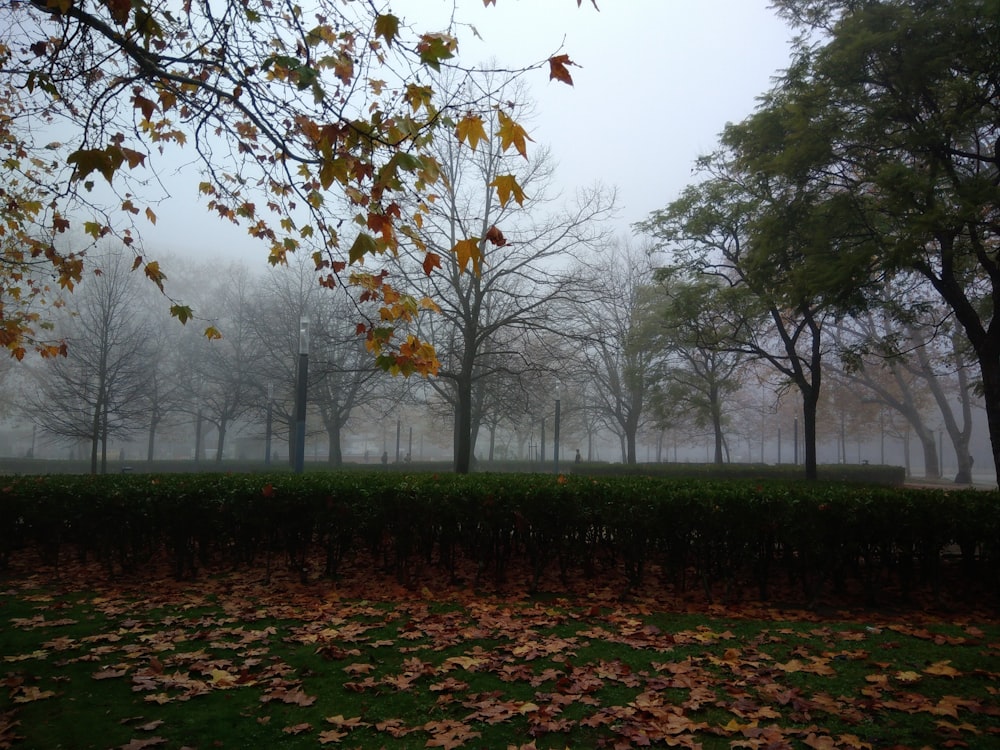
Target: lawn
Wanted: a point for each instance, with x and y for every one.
(229, 662)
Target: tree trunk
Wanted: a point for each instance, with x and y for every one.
(334, 455)
(906, 454)
(929, 446)
(221, 442)
(810, 399)
(717, 429)
(151, 441)
(715, 409)
(95, 435)
(990, 369)
(104, 436)
(463, 426)
(197, 437)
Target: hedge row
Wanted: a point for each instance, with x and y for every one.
(716, 536)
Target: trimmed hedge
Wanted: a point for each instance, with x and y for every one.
(722, 538)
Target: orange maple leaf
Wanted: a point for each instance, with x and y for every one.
(431, 261)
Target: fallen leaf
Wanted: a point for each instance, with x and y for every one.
(942, 669)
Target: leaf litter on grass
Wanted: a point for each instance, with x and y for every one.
(302, 665)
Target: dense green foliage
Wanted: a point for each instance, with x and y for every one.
(729, 538)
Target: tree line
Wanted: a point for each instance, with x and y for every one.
(839, 245)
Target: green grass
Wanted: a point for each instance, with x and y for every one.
(220, 665)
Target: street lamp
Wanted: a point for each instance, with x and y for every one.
(267, 434)
(555, 434)
(300, 395)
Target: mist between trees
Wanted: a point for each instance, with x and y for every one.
(824, 292)
(637, 365)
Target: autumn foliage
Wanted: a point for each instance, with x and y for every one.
(312, 126)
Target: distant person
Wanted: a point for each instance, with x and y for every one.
(578, 458)
(385, 458)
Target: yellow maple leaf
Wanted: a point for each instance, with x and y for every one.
(507, 187)
(512, 134)
(468, 250)
(470, 130)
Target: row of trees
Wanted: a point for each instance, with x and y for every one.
(840, 245)
(627, 357)
(856, 214)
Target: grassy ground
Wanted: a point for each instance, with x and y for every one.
(226, 662)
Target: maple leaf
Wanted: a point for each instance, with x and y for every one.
(495, 236)
(340, 721)
(942, 669)
(507, 187)
(297, 728)
(387, 27)
(470, 129)
(512, 134)
(31, 694)
(222, 679)
(331, 735)
(558, 68)
(468, 250)
(393, 727)
(431, 261)
(433, 48)
(448, 734)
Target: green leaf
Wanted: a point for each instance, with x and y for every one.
(183, 313)
(433, 48)
(364, 244)
(387, 27)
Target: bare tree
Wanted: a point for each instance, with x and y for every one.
(97, 391)
(613, 328)
(488, 318)
(225, 372)
(342, 376)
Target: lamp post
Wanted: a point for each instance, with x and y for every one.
(555, 435)
(267, 433)
(300, 395)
